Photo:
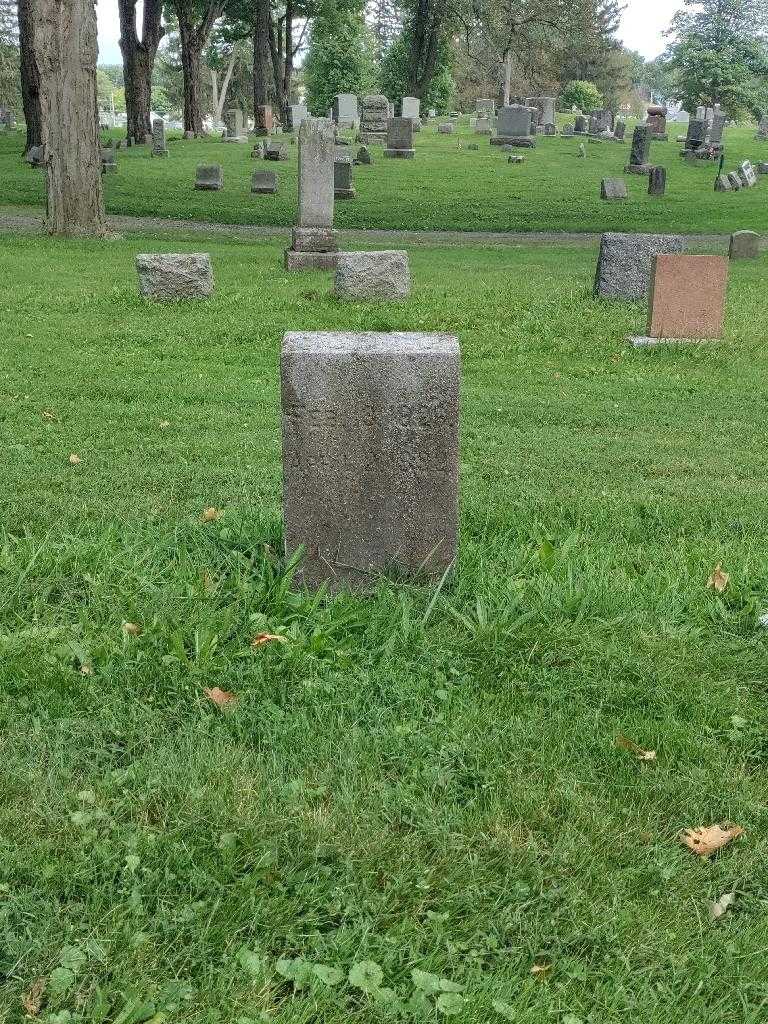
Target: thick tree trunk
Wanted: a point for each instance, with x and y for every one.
(507, 77)
(263, 92)
(65, 52)
(191, 59)
(425, 43)
(193, 40)
(221, 98)
(138, 62)
(30, 82)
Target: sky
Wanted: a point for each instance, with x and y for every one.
(641, 28)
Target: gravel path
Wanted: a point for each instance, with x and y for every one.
(25, 221)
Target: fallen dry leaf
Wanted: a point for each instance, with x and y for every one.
(32, 1001)
(721, 907)
(164, 424)
(719, 580)
(221, 698)
(627, 744)
(541, 971)
(265, 638)
(48, 415)
(74, 459)
(132, 628)
(705, 841)
(86, 669)
(211, 514)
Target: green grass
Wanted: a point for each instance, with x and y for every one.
(444, 187)
(429, 786)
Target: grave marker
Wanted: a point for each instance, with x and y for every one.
(370, 454)
(313, 240)
(745, 245)
(400, 138)
(168, 276)
(264, 183)
(687, 299)
(382, 275)
(625, 261)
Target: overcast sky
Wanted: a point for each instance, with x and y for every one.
(641, 29)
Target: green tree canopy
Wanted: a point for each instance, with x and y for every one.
(394, 73)
(584, 95)
(340, 57)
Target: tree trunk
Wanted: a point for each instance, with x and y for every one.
(262, 57)
(138, 62)
(65, 52)
(507, 77)
(191, 58)
(219, 102)
(30, 81)
(425, 42)
(193, 40)
(288, 63)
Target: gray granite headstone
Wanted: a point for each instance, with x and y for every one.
(373, 119)
(209, 177)
(657, 181)
(613, 188)
(343, 187)
(696, 134)
(235, 126)
(381, 275)
(264, 183)
(159, 147)
(313, 240)
(745, 245)
(641, 149)
(370, 455)
(167, 276)
(400, 138)
(344, 111)
(625, 263)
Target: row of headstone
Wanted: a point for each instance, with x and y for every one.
(733, 181)
(616, 188)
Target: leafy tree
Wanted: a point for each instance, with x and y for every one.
(340, 57)
(9, 55)
(583, 95)
(394, 73)
(719, 55)
(592, 53)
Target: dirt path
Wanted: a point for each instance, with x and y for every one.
(16, 219)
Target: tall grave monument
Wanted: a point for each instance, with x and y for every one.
(313, 240)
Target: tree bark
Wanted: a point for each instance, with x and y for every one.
(30, 80)
(263, 78)
(426, 32)
(65, 52)
(138, 62)
(193, 40)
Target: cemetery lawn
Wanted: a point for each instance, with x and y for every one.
(443, 187)
(417, 807)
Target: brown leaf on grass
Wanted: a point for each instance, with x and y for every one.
(48, 415)
(221, 698)
(86, 669)
(264, 638)
(541, 971)
(74, 460)
(132, 629)
(625, 743)
(164, 424)
(32, 1001)
(707, 840)
(719, 579)
(211, 514)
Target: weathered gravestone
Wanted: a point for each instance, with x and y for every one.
(345, 112)
(370, 455)
(235, 126)
(159, 147)
(264, 183)
(580, 124)
(619, 131)
(313, 240)
(209, 177)
(273, 151)
(600, 121)
(373, 120)
(485, 108)
(411, 107)
(736, 182)
(483, 126)
(746, 173)
(544, 107)
(364, 156)
(400, 138)
(264, 120)
(657, 181)
(714, 136)
(35, 156)
(343, 188)
(687, 299)
(656, 120)
(624, 264)
(372, 275)
(723, 183)
(696, 134)
(640, 152)
(169, 276)
(613, 188)
(514, 126)
(762, 129)
(745, 245)
(445, 129)
(298, 113)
